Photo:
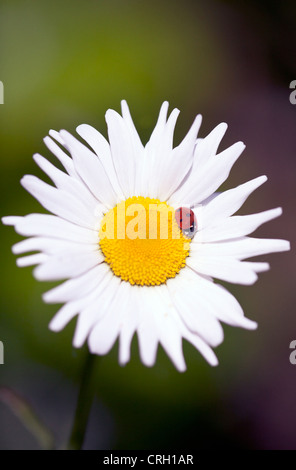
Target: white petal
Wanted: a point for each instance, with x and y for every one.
(56, 135)
(122, 152)
(193, 338)
(147, 330)
(207, 147)
(101, 316)
(202, 183)
(52, 246)
(228, 202)
(104, 333)
(240, 248)
(224, 268)
(178, 165)
(51, 226)
(59, 202)
(189, 301)
(59, 178)
(65, 266)
(160, 126)
(137, 144)
(171, 341)
(72, 308)
(102, 149)
(219, 300)
(169, 331)
(236, 226)
(157, 150)
(78, 286)
(160, 156)
(146, 169)
(138, 148)
(90, 169)
(201, 345)
(257, 267)
(66, 314)
(65, 160)
(31, 260)
(11, 220)
(163, 322)
(63, 181)
(128, 328)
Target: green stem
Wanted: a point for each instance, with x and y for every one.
(84, 403)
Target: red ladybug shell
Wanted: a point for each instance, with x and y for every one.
(185, 219)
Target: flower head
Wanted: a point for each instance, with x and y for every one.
(118, 234)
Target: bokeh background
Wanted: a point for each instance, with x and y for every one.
(66, 63)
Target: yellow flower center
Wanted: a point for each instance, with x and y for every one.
(141, 241)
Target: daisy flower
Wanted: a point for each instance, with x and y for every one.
(118, 283)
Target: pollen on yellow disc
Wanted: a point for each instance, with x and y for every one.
(141, 241)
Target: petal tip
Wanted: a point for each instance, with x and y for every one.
(242, 144)
(82, 127)
(223, 126)
(124, 104)
(278, 211)
(25, 180)
(8, 220)
(253, 325)
(54, 326)
(77, 342)
(46, 297)
(37, 158)
(214, 362)
(110, 113)
(286, 245)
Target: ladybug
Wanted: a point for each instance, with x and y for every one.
(186, 221)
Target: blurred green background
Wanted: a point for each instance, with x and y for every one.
(65, 63)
